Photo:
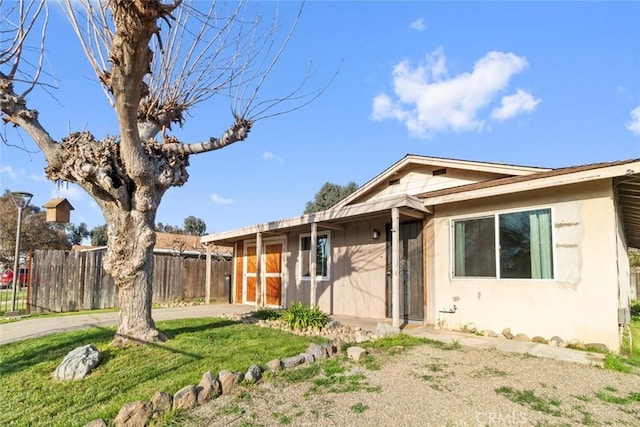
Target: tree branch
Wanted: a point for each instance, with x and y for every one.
(238, 132)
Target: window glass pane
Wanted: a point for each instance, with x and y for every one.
(305, 252)
(322, 255)
(475, 248)
(525, 245)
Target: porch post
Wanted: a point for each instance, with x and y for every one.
(258, 270)
(395, 266)
(313, 253)
(207, 289)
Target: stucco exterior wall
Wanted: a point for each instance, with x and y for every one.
(579, 304)
(356, 285)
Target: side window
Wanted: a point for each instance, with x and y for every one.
(522, 248)
(322, 256)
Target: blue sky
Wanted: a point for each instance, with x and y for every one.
(532, 83)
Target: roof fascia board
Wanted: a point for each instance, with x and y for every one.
(535, 184)
(402, 201)
(498, 168)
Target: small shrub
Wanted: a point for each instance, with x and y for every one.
(359, 408)
(301, 316)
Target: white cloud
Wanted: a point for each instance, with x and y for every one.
(634, 124)
(418, 25)
(68, 191)
(512, 105)
(13, 174)
(428, 101)
(267, 156)
(216, 198)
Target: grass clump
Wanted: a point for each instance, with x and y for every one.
(301, 316)
(127, 374)
(608, 395)
(359, 408)
(528, 398)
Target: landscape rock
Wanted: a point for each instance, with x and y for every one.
(97, 423)
(383, 329)
(522, 337)
(489, 333)
(556, 341)
(254, 374)
(208, 388)
(274, 366)
(336, 347)
(78, 363)
(356, 353)
(360, 338)
(293, 361)
(134, 414)
(308, 358)
(160, 403)
(318, 351)
(229, 380)
(506, 332)
(185, 398)
(539, 339)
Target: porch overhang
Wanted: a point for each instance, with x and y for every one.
(331, 218)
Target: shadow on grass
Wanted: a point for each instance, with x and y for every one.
(20, 355)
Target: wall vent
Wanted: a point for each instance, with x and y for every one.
(439, 172)
(394, 181)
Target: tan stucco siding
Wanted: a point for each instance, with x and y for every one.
(579, 304)
(356, 284)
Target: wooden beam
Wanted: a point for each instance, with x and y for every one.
(313, 253)
(412, 214)
(395, 266)
(258, 270)
(207, 290)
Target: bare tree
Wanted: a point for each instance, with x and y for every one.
(155, 60)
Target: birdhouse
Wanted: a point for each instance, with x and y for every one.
(58, 210)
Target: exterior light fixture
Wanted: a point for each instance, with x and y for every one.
(21, 200)
(376, 234)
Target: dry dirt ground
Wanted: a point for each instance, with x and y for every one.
(432, 386)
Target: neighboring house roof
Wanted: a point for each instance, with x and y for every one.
(174, 243)
(499, 179)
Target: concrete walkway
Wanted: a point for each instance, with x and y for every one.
(39, 326)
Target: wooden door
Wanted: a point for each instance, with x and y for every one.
(250, 274)
(273, 273)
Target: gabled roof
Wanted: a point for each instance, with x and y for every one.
(54, 203)
(438, 162)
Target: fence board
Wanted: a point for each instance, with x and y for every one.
(72, 280)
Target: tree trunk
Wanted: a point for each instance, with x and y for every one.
(129, 260)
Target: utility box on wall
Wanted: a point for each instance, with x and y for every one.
(58, 210)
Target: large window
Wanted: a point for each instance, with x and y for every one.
(520, 248)
(322, 256)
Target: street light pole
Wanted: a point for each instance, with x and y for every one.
(21, 200)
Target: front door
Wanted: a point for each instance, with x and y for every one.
(271, 267)
(411, 272)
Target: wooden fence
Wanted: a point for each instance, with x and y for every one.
(64, 281)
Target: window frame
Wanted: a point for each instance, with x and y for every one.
(496, 219)
(319, 278)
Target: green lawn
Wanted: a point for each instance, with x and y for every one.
(30, 397)
(629, 358)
